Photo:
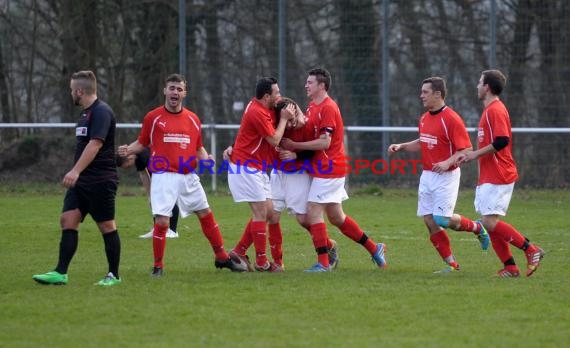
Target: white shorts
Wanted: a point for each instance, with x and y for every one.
(185, 190)
(437, 193)
(327, 190)
(491, 199)
(248, 184)
(290, 190)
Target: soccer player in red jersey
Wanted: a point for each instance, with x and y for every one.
(252, 154)
(442, 137)
(290, 183)
(497, 176)
(328, 169)
(174, 135)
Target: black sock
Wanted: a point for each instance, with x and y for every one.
(174, 218)
(510, 262)
(67, 247)
(526, 244)
(113, 251)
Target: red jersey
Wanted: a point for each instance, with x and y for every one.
(174, 137)
(251, 148)
(499, 167)
(302, 134)
(442, 134)
(326, 118)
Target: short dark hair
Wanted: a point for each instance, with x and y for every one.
(322, 75)
(437, 85)
(87, 80)
(176, 78)
(283, 103)
(264, 86)
(495, 79)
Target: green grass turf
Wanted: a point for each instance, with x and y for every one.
(195, 304)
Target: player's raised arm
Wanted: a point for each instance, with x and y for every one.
(411, 146)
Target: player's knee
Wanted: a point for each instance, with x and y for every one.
(336, 220)
(442, 221)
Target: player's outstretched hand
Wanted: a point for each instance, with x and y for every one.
(465, 158)
(393, 148)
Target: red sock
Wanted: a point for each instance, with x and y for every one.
(500, 246)
(212, 232)
(259, 236)
(509, 234)
(468, 225)
(158, 244)
(320, 239)
(329, 241)
(276, 243)
(246, 240)
(441, 242)
(351, 229)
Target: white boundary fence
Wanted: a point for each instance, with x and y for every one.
(211, 128)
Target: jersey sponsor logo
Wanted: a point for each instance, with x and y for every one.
(176, 138)
(181, 139)
(430, 140)
(80, 131)
(480, 134)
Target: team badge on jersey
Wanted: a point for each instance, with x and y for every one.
(80, 131)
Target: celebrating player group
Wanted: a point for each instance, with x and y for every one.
(274, 129)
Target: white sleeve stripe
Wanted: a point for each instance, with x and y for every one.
(152, 129)
(447, 135)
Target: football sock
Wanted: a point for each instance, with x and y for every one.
(158, 244)
(259, 235)
(501, 246)
(211, 231)
(351, 229)
(510, 262)
(440, 241)
(510, 234)
(67, 247)
(320, 240)
(113, 251)
(246, 240)
(368, 243)
(468, 225)
(276, 243)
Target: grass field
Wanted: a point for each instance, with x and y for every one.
(195, 305)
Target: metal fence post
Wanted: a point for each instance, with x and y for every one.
(214, 151)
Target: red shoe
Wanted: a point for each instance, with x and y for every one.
(509, 272)
(241, 259)
(269, 267)
(533, 258)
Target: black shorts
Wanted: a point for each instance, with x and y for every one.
(98, 200)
